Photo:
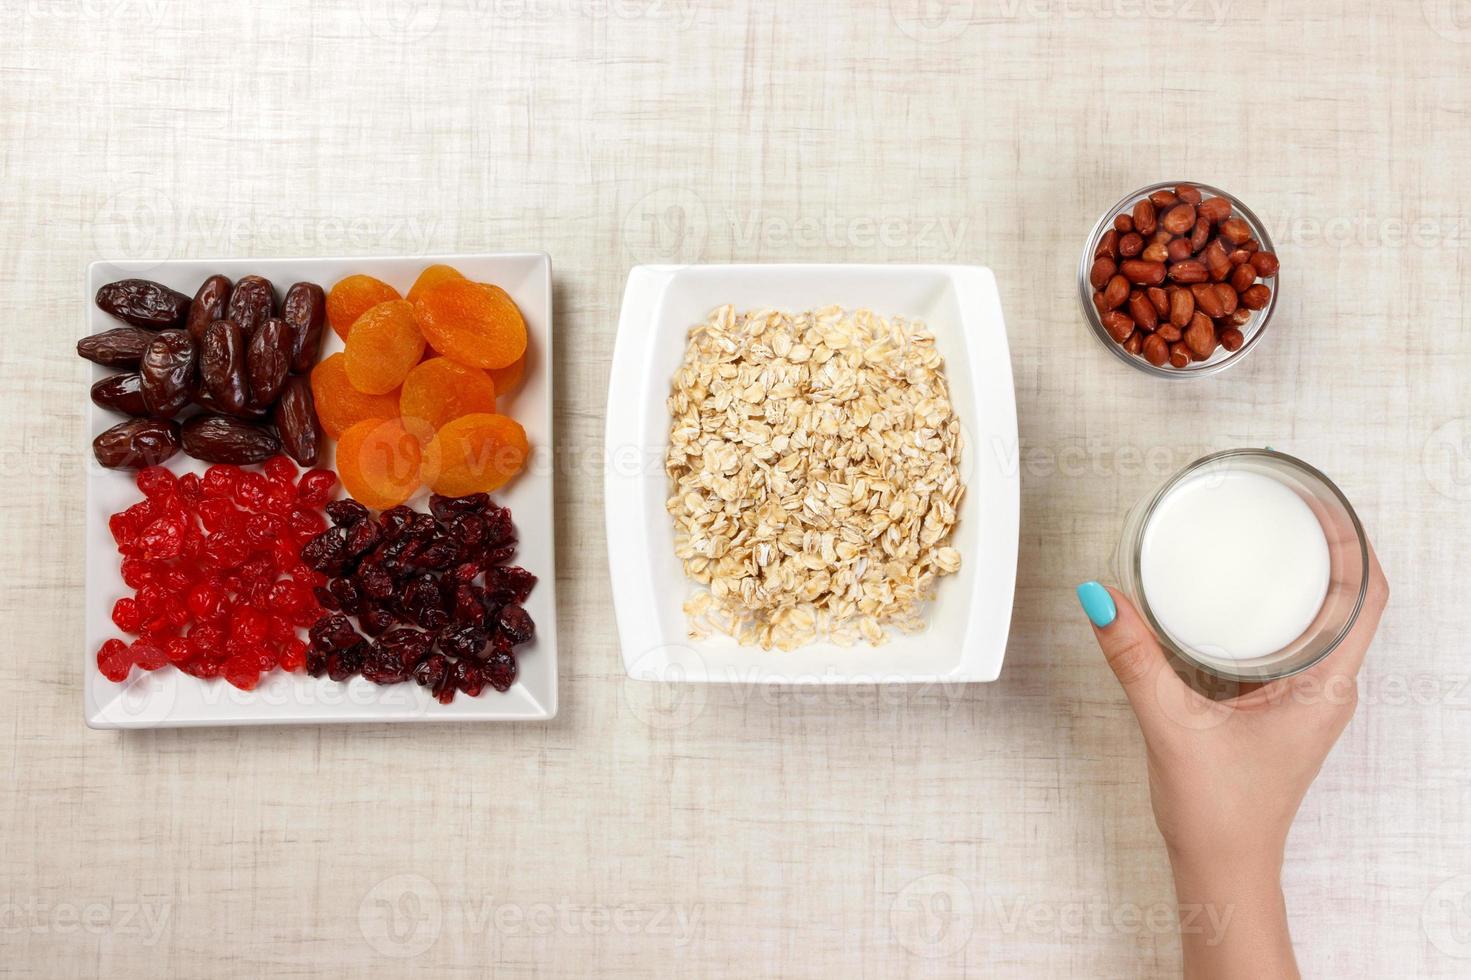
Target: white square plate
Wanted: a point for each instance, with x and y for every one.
(971, 615)
(170, 698)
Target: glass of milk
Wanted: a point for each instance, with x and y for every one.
(1248, 564)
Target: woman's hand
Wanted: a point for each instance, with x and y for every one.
(1227, 777)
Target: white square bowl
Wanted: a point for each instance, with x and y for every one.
(169, 698)
(971, 615)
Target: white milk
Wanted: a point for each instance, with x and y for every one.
(1234, 564)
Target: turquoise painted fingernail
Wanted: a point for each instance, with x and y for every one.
(1097, 603)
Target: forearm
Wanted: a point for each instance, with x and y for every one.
(1233, 919)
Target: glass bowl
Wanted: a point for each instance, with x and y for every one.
(1348, 558)
(1219, 361)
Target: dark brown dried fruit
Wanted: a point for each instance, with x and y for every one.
(269, 361)
(144, 303)
(167, 369)
(222, 439)
(137, 443)
(222, 365)
(296, 421)
(118, 347)
(305, 313)
(121, 393)
(209, 305)
(252, 302)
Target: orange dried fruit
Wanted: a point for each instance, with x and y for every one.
(507, 378)
(341, 406)
(383, 347)
(354, 296)
(379, 461)
(431, 277)
(474, 323)
(440, 390)
(475, 453)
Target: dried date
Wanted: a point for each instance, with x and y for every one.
(119, 347)
(167, 369)
(144, 303)
(269, 361)
(121, 393)
(137, 443)
(252, 303)
(209, 305)
(222, 365)
(222, 439)
(296, 421)
(305, 313)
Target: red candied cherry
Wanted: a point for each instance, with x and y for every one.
(177, 650)
(287, 595)
(293, 655)
(316, 487)
(206, 640)
(126, 615)
(220, 480)
(114, 660)
(279, 500)
(163, 538)
(193, 545)
(249, 626)
(176, 580)
(262, 530)
(279, 628)
(205, 668)
(241, 670)
(149, 654)
(137, 572)
(251, 490)
(206, 600)
(191, 488)
(219, 514)
(157, 483)
(123, 529)
(280, 469)
(305, 524)
(224, 549)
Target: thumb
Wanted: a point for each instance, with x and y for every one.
(1132, 652)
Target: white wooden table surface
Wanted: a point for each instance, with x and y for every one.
(1001, 829)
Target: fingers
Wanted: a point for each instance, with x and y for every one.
(1349, 657)
(1136, 658)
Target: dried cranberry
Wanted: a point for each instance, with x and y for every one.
(346, 512)
(445, 507)
(508, 583)
(348, 597)
(500, 670)
(463, 641)
(344, 663)
(362, 537)
(431, 670)
(469, 604)
(437, 555)
(334, 632)
(375, 582)
(327, 552)
(383, 666)
(375, 619)
(469, 678)
(515, 623)
(316, 661)
(395, 519)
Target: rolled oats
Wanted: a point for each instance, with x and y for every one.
(814, 466)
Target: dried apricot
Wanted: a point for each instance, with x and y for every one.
(383, 347)
(431, 277)
(378, 461)
(339, 404)
(507, 378)
(474, 323)
(440, 390)
(354, 296)
(475, 453)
